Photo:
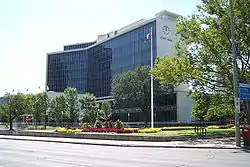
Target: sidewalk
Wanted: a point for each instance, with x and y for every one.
(225, 143)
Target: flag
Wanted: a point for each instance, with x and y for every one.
(148, 36)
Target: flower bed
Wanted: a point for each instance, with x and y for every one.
(133, 130)
(149, 130)
(65, 130)
(108, 130)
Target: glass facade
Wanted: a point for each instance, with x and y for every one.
(118, 55)
(92, 69)
(78, 46)
(67, 69)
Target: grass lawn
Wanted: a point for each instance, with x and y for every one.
(179, 127)
(187, 132)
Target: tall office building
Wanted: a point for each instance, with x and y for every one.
(90, 67)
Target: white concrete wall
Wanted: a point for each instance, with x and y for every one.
(166, 30)
(166, 41)
(184, 107)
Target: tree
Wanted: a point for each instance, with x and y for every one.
(206, 61)
(15, 107)
(89, 108)
(31, 100)
(105, 112)
(58, 109)
(201, 105)
(132, 89)
(41, 106)
(211, 107)
(72, 101)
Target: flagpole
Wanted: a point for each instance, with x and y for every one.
(152, 86)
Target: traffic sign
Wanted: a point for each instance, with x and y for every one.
(244, 92)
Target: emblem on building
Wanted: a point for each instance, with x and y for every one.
(166, 30)
(166, 33)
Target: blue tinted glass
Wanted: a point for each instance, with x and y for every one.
(92, 70)
(118, 55)
(66, 70)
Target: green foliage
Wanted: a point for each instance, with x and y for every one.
(41, 104)
(73, 110)
(86, 125)
(204, 55)
(212, 107)
(105, 112)
(173, 70)
(220, 112)
(89, 108)
(119, 124)
(37, 105)
(58, 109)
(16, 106)
(132, 89)
(98, 124)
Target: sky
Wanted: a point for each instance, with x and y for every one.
(31, 28)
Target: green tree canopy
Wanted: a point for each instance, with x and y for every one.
(132, 89)
(72, 101)
(212, 107)
(204, 53)
(15, 107)
(89, 108)
(105, 112)
(206, 62)
(58, 110)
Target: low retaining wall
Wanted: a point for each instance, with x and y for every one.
(104, 136)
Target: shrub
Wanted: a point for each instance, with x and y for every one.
(61, 130)
(149, 130)
(119, 124)
(108, 130)
(108, 124)
(98, 124)
(132, 130)
(86, 125)
(65, 130)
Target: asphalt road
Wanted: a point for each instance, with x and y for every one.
(14, 153)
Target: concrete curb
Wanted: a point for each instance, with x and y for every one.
(103, 136)
(122, 145)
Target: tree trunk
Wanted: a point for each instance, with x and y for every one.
(11, 124)
(35, 123)
(45, 121)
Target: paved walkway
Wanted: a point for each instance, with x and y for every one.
(224, 143)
